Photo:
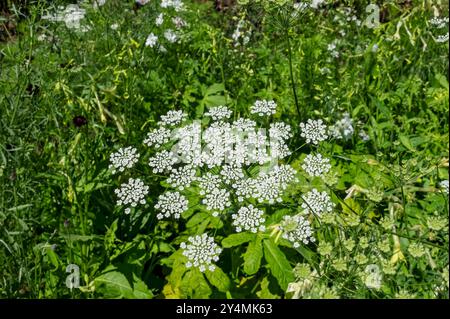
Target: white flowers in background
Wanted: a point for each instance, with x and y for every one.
(159, 19)
(209, 182)
(332, 49)
(218, 113)
(249, 219)
(132, 193)
(317, 202)
(343, 129)
(315, 4)
(201, 251)
(162, 161)
(123, 158)
(440, 23)
(444, 185)
(217, 200)
(176, 4)
(373, 277)
(98, 3)
(316, 165)
(182, 177)
(264, 107)
(171, 204)
(243, 32)
(179, 22)
(170, 36)
(151, 40)
(157, 137)
(442, 38)
(172, 118)
(297, 230)
(313, 131)
(71, 16)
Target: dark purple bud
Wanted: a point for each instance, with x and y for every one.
(79, 121)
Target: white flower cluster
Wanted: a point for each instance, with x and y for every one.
(132, 193)
(123, 158)
(158, 137)
(171, 204)
(219, 113)
(264, 107)
(318, 202)
(249, 219)
(201, 251)
(182, 177)
(343, 129)
(169, 34)
(71, 16)
(297, 230)
(243, 32)
(316, 165)
(313, 131)
(439, 23)
(172, 118)
(162, 161)
(217, 200)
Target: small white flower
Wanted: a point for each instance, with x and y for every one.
(297, 230)
(132, 193)
(313, 131)
(171, 204)
(178, 22)
(318, 202)
(444, 185)
(151, 40)
(249, 219)
(114, 26)
(123, 158)
(343, 129)
(219, 113)
(263, 107)
(201, 251)
(172, 118)
(316, 165)
(159, 19)
(170, 36)
(267, 188)
(182, 177)
(162, 161)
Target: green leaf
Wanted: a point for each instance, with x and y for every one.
(278, 264)
(406, 143)
(237, 239)
(265, 293)
(252, 257)
(114, 284)
(194, 285)
(218, 279)
(197, 219)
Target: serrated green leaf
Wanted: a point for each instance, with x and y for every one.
(237, 239)
(278, 264)
(218, 279)
(253, 256)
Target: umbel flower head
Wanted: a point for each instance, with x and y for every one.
(318, 202)
(316, 165)
(123, 158)
(201, 251)
(132, 193)
(264, 107)
(171, 204)
(249, 219)
(313, 131)
(297, 230)
(219, 113)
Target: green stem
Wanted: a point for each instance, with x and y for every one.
(291, 73)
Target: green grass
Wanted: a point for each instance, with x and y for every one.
(57, 201)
